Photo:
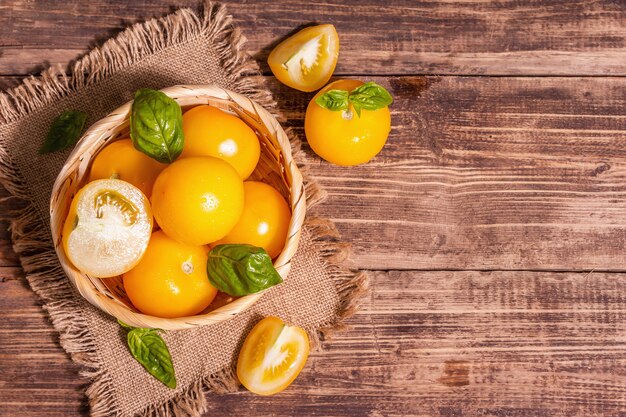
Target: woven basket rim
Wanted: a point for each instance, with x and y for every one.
(106, 128)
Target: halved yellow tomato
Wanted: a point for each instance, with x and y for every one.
(108, 227)
(306, 60)
(272, 356)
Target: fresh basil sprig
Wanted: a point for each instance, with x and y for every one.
(64, 132)
(369, 96)
(241, 269)
(156, 125)
(150, 350)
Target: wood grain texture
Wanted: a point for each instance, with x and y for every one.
(404, 37)
(424, 343)
(480, 173)
(37, 377)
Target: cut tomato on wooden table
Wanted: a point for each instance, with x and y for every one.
(272, 356)
(306, 60)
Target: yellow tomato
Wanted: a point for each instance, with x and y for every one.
(122, 161)
(210, 131)
(170, 280)
(306, 60)
(343, 137)
(264, 221)
(197, 200)
(272, 356)
(107, 229)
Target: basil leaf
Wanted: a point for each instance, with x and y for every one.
(156, 125)
(64, 132)
(369, 96)
(333, 100)
(150, 350)
(241, 269)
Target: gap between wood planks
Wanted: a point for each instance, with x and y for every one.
(11, 272)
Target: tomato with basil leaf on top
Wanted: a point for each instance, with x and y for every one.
(348, 121)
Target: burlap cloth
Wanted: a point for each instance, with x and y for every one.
(182, 48)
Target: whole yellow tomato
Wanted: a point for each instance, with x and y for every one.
(197, 200)
(170, 280)
(122, 161)
(210, 131)
(264, 221)
(345, 137)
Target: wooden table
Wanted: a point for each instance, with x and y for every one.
(494, 221)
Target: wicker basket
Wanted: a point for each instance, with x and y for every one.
(276, 167)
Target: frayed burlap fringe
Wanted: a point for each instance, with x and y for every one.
(34, 246)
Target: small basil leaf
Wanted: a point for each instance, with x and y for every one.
(334, 100)
(156, 125)
(369, 96)
(150, 350)
(64, 132)
(241, 269)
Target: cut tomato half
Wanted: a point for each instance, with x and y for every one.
(306, 60)
(272, 356)
(107, 228)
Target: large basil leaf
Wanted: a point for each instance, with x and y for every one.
(369, 96)
(150, 350)
(64, 132)
(156, 125)
(241, 269)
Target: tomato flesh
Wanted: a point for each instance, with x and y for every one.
(306, 60)
(272, 356)
(107, 229)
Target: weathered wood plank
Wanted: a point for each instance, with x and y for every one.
(403, 37)
(7, 82)
(424, 343)
(37, 377)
